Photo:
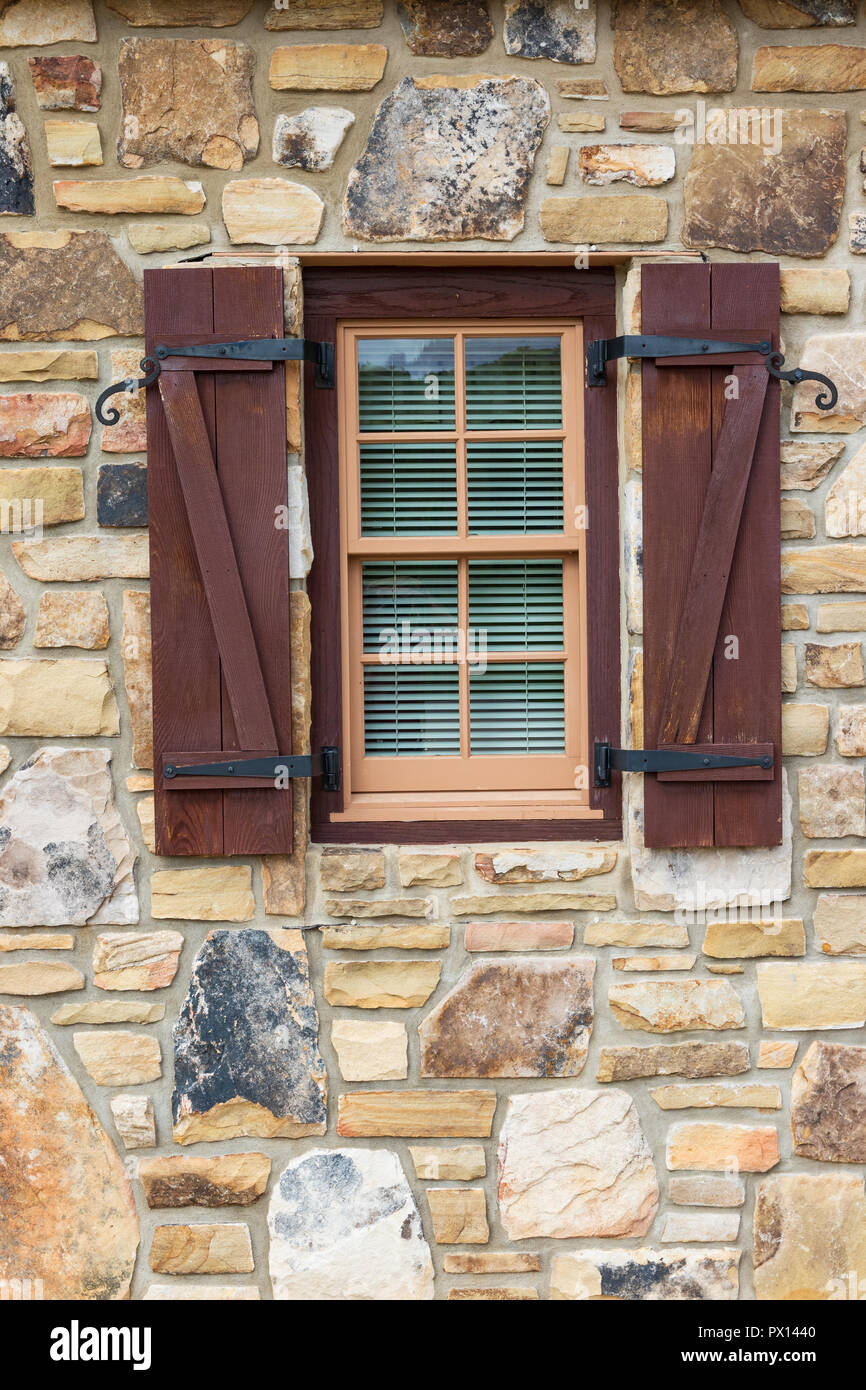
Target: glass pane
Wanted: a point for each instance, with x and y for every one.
(406, 383)
(515, 487)
(517, 707)
(410, 607)
(411, 710)
(513, 383)
(516, 604)
(408, 490)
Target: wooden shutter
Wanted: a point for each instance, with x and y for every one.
(216, 443)
(711, 556)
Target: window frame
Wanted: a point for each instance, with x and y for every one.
(439, 295)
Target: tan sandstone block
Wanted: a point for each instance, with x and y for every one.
(72, 619)
(798, 520)
(415, 936)
(202, 1249)
(774, 1056)
(492, 1262)
(136, 960)
(605, 219)
(722, 1148)
(73, 558)
(635, 965)
(327, 67)
(504, 904)
(825, 569)
(119, 1059)
(48, 364)
(108, 1011)
(458, 1164)
(370, 1051)
(459, 1215)
(825, 67)
(218, 894)
(73, 142)
(789, 668)
(136, 650)
(727, 940)
(810, 1234)
(382, 984)
(577, 122)
(840, 924)
(36, 977)
(835, 868)
(706, 1190)
(36, 941)
(557, 165)
(73, 697)
(325, 14)
(416, 1114)
(343, 869)
(822, 290)
(57, 491)
(813, 994)
(832, 667)
(204, 1180)
(747, 1096)
(435, 870)
(148, 237)
(795, 617)
(518, 936)
(146, 193)
(379, 907)
(635, 934)
(271, 211)
(667, 1006)
(841, 617)
(805, 729)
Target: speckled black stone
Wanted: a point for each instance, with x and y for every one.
(16, 169)
(121, 494)
(553, 29)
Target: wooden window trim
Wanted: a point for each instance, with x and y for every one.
(332, 296)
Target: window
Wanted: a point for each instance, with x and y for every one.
(458, 572)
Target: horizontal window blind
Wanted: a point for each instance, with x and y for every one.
(408, 489)
(415, 598)
(514, 487)
(517, 707)
(513, 383)
(517, 604)
(411, 711)
(406, 384)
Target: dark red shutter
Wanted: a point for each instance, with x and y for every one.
(217, 480)
(711, 557)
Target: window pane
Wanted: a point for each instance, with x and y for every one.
(410, 606)
(411, 710)
(515, 487)
(513, 383)
(516, 604)
(517, 707)
(406, 383)
(408, 490)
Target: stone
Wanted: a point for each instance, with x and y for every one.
(379, 907)
(284, 876)
(54, 1146)
(557, 165)
(39, 977)
(832, 868)
(48, 364)
(832, 802)
(827, 67)
(789, 668)
(640, 964)
(147, 193)
(204, 1180)
(202, 1249)
(809, 1234)
(83, 871)
(583, 88)
(707, 1190)
(136, 960)
(492, 1294)
(5, 757)
(571, 122)
(682, 1226)
(73, 143)
(845, 503)
(575, 1163)
(722, 1148)
(44, 425)
(136, 652)
(798, 14)
(205, 1293)
(134, 1121)
(72, 619)
(416, 1114)
(806, 465)
(311, 139)
(471, 182)
(667, 46)
(666, 1006)
(36, 941)
(74, 558)
(118, 1058)
(773, 1055)
(30, 22)
(129, 434)
(381, 984)
(828, 1104)
(72, 697)
(648, 122)
(140, 782)
(343, 1225)
(273, 212)
(35, 497)
(340, 870)
(805, 729)
(145, 809)
(635, 934)
(839, 921)
(504, 903)
(825, 290)
(647, 166)
(66, 82)
(554, 865)
(327, 67)
(815, 994)
(370, 1051)
(436, 870)
(66, 286)
(726, 940)
(149, 237)
(518, 936)
(325, 14)
(606, 218)
(16, 164)
(746, 198)
(455, 29)
(187, 100)
(222, 893)
(682, 1059)
(216, 14)
(246, 1050)
(414, 937)
(553, 29)
(537, 1020)
(830, 667)
(654, 1275)
(798, 520)
(842, 357)
(491, 1262)
(459, 1215)
(460, 1163)
(748, 1096)
(824, 569)
(121, 494)
(13, 616)
(795, 617)
(857, 233)
(108, 1011)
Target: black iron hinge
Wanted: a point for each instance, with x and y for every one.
(325, 764)
(607, 760)
(247, 350)
(604, 350)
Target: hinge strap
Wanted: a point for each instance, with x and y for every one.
(269, 767)
(607, 760)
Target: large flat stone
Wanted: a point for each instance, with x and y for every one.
(690, 1059)
(667, 1006)
(59, 698)
(327, 67)
(654, 1275)
(44, 424)
(64, 1186)
(146, 193)
(445, 28)
(666, 46)
(471, 181)
(828, 1104)
(66, 286)
(814, 994)
(553, 29)
(344, 1225)
(29, 22)
(246, 1050)
(72, 558)
(810, 1234)
(274, 212)
(16, 165)
(215, 14)
(826, 67)
(426, 1114)
(204, 1180)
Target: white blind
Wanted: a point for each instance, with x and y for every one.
(411, 711)
(514, 487)
(406, 384)
(513, 383)
(408, 489)
(518, 707)
(412, 597)
(517, 604)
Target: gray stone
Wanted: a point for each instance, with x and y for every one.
(121, 494)
(16, 166)
(555, 29)
(344, 1226)
(448, 163)
(311, 139)
(655, 1275)
(828, 1104)
(799, 14)
(445, 28)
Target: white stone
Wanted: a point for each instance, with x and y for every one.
(311, 139)
(300, 539)
(845, 507)
(633, 555)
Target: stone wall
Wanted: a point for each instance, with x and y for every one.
(498, 1071)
